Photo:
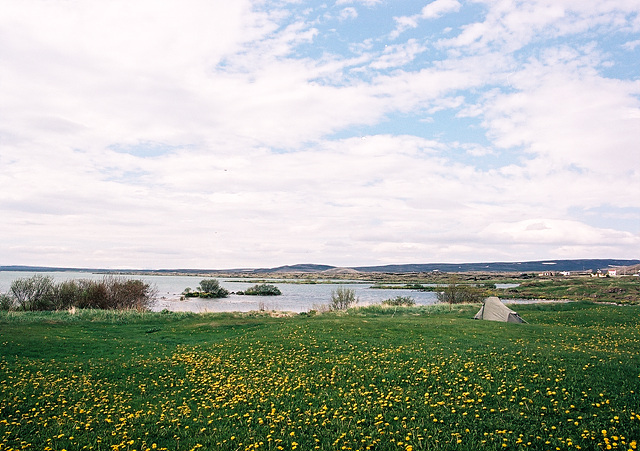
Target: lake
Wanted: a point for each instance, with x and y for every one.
(295, 297)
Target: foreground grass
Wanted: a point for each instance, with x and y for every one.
(376, 378)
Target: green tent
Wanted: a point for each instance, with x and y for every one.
(494, 310)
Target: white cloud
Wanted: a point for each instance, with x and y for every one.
(568, 115)
(348, 13)
(364, 2)
(432, 10)
(556, 232)
(398, 55)
(438, 8)
(512, 25)
(631, 45)
(200, 134)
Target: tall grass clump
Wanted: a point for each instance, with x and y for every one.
(41, 293)
(399, 301)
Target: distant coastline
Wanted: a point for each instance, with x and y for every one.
(580, 265)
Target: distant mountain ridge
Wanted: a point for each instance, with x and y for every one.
(522, 267)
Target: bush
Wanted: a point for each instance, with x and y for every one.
(6, 302)
(33, 293)
(67, 294)
(342, 299)
(400, 300)
(112, 293)
(129, 294)
(455, 293)
(92, 294)
(209, 288)
(263, 290)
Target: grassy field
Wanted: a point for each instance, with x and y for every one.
(375, 378)
(620, 290)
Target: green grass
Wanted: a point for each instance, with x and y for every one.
(371, 378)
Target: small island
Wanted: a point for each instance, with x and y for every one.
(263, 289)
(209, 288)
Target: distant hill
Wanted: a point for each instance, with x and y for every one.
(41, 269)
(519, 267)
(305, 267)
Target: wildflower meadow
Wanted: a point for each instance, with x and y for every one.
(376, 378)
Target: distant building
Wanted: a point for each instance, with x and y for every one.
(606, 273)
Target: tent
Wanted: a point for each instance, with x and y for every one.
(494, 310)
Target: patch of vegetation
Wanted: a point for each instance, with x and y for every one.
(621, 290)
(209, 288)
(263, 290)
(406, 286)
(399, 301)
(342, 299)
(426, 378)
(41, 293)
(297, 281)
(457, 293)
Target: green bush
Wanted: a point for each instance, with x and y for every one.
(6, 302)
(93, 294)
(456, 293)
(263, 290)
(399, 300)
(67, 294)
(209, 288)
(343, 298)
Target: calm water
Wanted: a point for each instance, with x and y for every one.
(295, 297)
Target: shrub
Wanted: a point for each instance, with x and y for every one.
(92, 294)
(210, 288)
(399, 300)
(128, 294)
(343, 298)
(455, 293)
(6, 302)
(263, 290)
(112, 293)
(67, 294)
(33, 293)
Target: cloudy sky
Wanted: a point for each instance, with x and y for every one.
(256, 133)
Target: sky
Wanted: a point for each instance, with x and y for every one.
(253, 133)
